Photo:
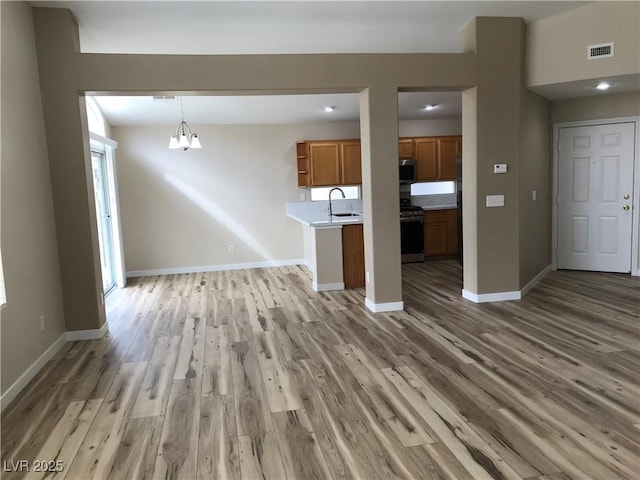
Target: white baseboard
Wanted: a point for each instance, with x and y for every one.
(308, 265)
(506, 296)
(491, 297)
(532, 283)
(384, 307)
(36, 366)
(327, 287)
(214, 268)
(95, 334)
(13, 391)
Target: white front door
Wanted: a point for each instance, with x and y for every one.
(595, 185)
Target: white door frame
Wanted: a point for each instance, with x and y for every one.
(108, 147)
(635, 204)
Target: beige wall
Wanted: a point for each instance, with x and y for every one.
(417, 128)
(326, 243)
(183, 209)
(596, 107)
(557, 46)
(494, 64)
(535, 172)
(64, 72)
(491, 134)
(29, 247)
(470, 188)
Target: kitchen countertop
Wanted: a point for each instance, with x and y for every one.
(316, 214)
(439, 207)
(321, 219)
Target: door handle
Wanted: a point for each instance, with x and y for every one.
(626, 207)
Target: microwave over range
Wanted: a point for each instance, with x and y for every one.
(407, 170)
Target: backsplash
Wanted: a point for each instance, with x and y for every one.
(322, 206)
(446, 199)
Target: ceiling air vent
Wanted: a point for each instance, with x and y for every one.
(603, 50)
(164, 98)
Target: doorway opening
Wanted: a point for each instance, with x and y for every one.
(103, 170)
(430, 187)
(103, 215)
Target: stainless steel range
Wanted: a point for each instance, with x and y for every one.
(411, 232)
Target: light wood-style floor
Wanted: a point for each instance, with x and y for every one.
(251, 374)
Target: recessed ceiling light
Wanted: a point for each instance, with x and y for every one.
(603, 86)
(430, 107)
(329, 109)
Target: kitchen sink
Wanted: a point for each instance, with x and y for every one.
(346, 215)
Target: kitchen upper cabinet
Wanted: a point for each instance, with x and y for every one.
(302, 159)
(351, 166)
(448, 150)
(436, 157)
(426, 157)
(440, 232)
(324, 159)
(327, 163)
(405, 148)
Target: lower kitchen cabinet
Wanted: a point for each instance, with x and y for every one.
(440, 232)
(353, 256)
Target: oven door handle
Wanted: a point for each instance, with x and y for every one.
(411, 219)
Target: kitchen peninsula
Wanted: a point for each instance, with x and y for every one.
(333, 246)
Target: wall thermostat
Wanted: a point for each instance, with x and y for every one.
(500, 168)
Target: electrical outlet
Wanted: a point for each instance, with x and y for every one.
(368, 278)
(303, 196)
(42, 322)
(495, 200)
(231, 248)
(534, 195)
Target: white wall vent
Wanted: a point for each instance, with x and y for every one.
(164, 98)
(603, 50)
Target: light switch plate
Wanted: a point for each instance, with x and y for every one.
(500, 168)
(495, 200)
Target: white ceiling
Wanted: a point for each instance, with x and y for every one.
(261, 27)
(258, 109)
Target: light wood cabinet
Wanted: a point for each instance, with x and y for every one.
(353, 256)
(324, 160)
(351, 163)
(338, 162)
(448, 150)
(405, 148)
(440, 232)
(328, 163)
(436, 157)
(302, 159)
(426, 157)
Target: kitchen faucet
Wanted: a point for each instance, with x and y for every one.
(330, 192)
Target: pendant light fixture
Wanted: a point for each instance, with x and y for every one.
(184, 138)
